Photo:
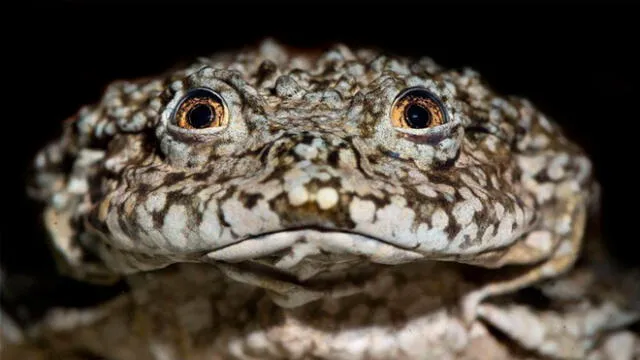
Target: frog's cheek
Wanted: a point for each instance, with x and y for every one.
(69, 254)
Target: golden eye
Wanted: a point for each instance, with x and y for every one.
(200, 109)
(417, 108)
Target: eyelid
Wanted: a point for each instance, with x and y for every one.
(440, 131)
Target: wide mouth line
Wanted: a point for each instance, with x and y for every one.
(318, 229)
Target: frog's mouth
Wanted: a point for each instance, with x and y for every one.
(292, 246)
(302, 265)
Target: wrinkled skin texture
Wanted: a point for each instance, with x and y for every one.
(308, 226)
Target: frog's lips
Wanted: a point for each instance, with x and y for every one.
(298, 244)
(298, 266)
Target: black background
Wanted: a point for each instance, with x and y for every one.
(575, 61)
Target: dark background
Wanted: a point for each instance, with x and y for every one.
(575, 61)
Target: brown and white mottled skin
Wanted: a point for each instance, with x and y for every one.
(310, 227)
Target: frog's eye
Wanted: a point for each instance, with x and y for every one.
(417, 108)
(200, 109)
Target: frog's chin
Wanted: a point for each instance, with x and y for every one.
(288, 291)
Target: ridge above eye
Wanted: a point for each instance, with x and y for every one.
(201, 108)
(417, 108)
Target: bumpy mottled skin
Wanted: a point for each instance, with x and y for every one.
(310, 227)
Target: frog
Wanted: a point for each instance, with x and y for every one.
(272, 202)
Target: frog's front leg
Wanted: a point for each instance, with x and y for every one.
(569, 334)
(564, 255)
(587, 320)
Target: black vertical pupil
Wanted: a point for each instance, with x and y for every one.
(417, 117)
(200, 116)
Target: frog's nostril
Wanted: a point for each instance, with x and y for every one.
(326, 198)
(298, 195)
